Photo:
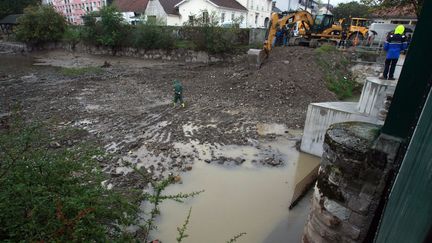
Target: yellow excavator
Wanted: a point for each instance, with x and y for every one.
(302, 17)
(357, 28)
(315, 31)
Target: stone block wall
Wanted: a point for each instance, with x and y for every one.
(181, 55)
(351, 180)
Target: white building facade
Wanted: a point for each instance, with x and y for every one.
(246, 13)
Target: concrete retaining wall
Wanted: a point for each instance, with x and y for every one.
(182, 55)
(320, 116)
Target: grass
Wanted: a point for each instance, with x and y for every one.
(335, 65)
(77, 71)
(184, 44)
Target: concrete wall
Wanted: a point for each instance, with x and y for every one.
(351, 180)
(257, 36)
(320, 116)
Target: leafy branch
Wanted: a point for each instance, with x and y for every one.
(236, 237)
(182, 230)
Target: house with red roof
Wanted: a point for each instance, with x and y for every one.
(248, 13)
(132, 10)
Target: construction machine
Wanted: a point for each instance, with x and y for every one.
(303, 18)
(315, 31)
(357, 28)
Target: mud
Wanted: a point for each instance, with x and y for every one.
(127, 106)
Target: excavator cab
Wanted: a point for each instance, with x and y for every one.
(322, 22)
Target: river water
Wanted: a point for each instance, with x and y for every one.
(247, 198)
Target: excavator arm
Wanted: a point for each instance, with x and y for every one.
(302, 16)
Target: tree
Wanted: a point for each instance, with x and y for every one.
(15, 7)
(40, 24)
(351, 9)
(110, 31)
(417, 4)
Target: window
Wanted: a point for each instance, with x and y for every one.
(151, 18)
(232, 17)
(191, 19)
(256, 18)
(222, 18)
(205, 17)
(251, 4)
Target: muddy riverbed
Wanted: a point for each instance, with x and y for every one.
(233, 123)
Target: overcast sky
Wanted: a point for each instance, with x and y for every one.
(283, 4)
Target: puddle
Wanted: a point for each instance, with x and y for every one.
(247, 198)
(274, 128)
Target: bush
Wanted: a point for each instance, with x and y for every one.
(72, 35)
(208, 36)
(150, 35)
(40, 24)
(51, 191)
(110, 31)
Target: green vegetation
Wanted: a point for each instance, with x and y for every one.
(15, 7)
(377, 4)
(150, 35)
(110, 31)
(40, 24)
(106, 28)
(351, 9)
(72, 35)
(207, 35)
(76, 71)
(335, 66)
(52, 191)
(236, 237)
(182, 230)
(156, 198)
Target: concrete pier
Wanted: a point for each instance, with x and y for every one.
(351, 179)
(255, 58)
(373, 95)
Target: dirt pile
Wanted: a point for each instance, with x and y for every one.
(279, 92)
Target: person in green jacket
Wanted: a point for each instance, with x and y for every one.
(178, 93)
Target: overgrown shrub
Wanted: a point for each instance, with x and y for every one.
(40, 24)
(105, 28)
(337, 75)
(151, 35)
(72, 35)
(207, 35)
(51, 191)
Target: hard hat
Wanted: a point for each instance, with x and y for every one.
(399, 30)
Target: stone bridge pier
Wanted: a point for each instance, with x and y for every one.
(354, 169)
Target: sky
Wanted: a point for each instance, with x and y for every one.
(283, 4)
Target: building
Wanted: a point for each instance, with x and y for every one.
(132, 10)
(73, 10)
(294, 5)
(275, 9)
(247, 13)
